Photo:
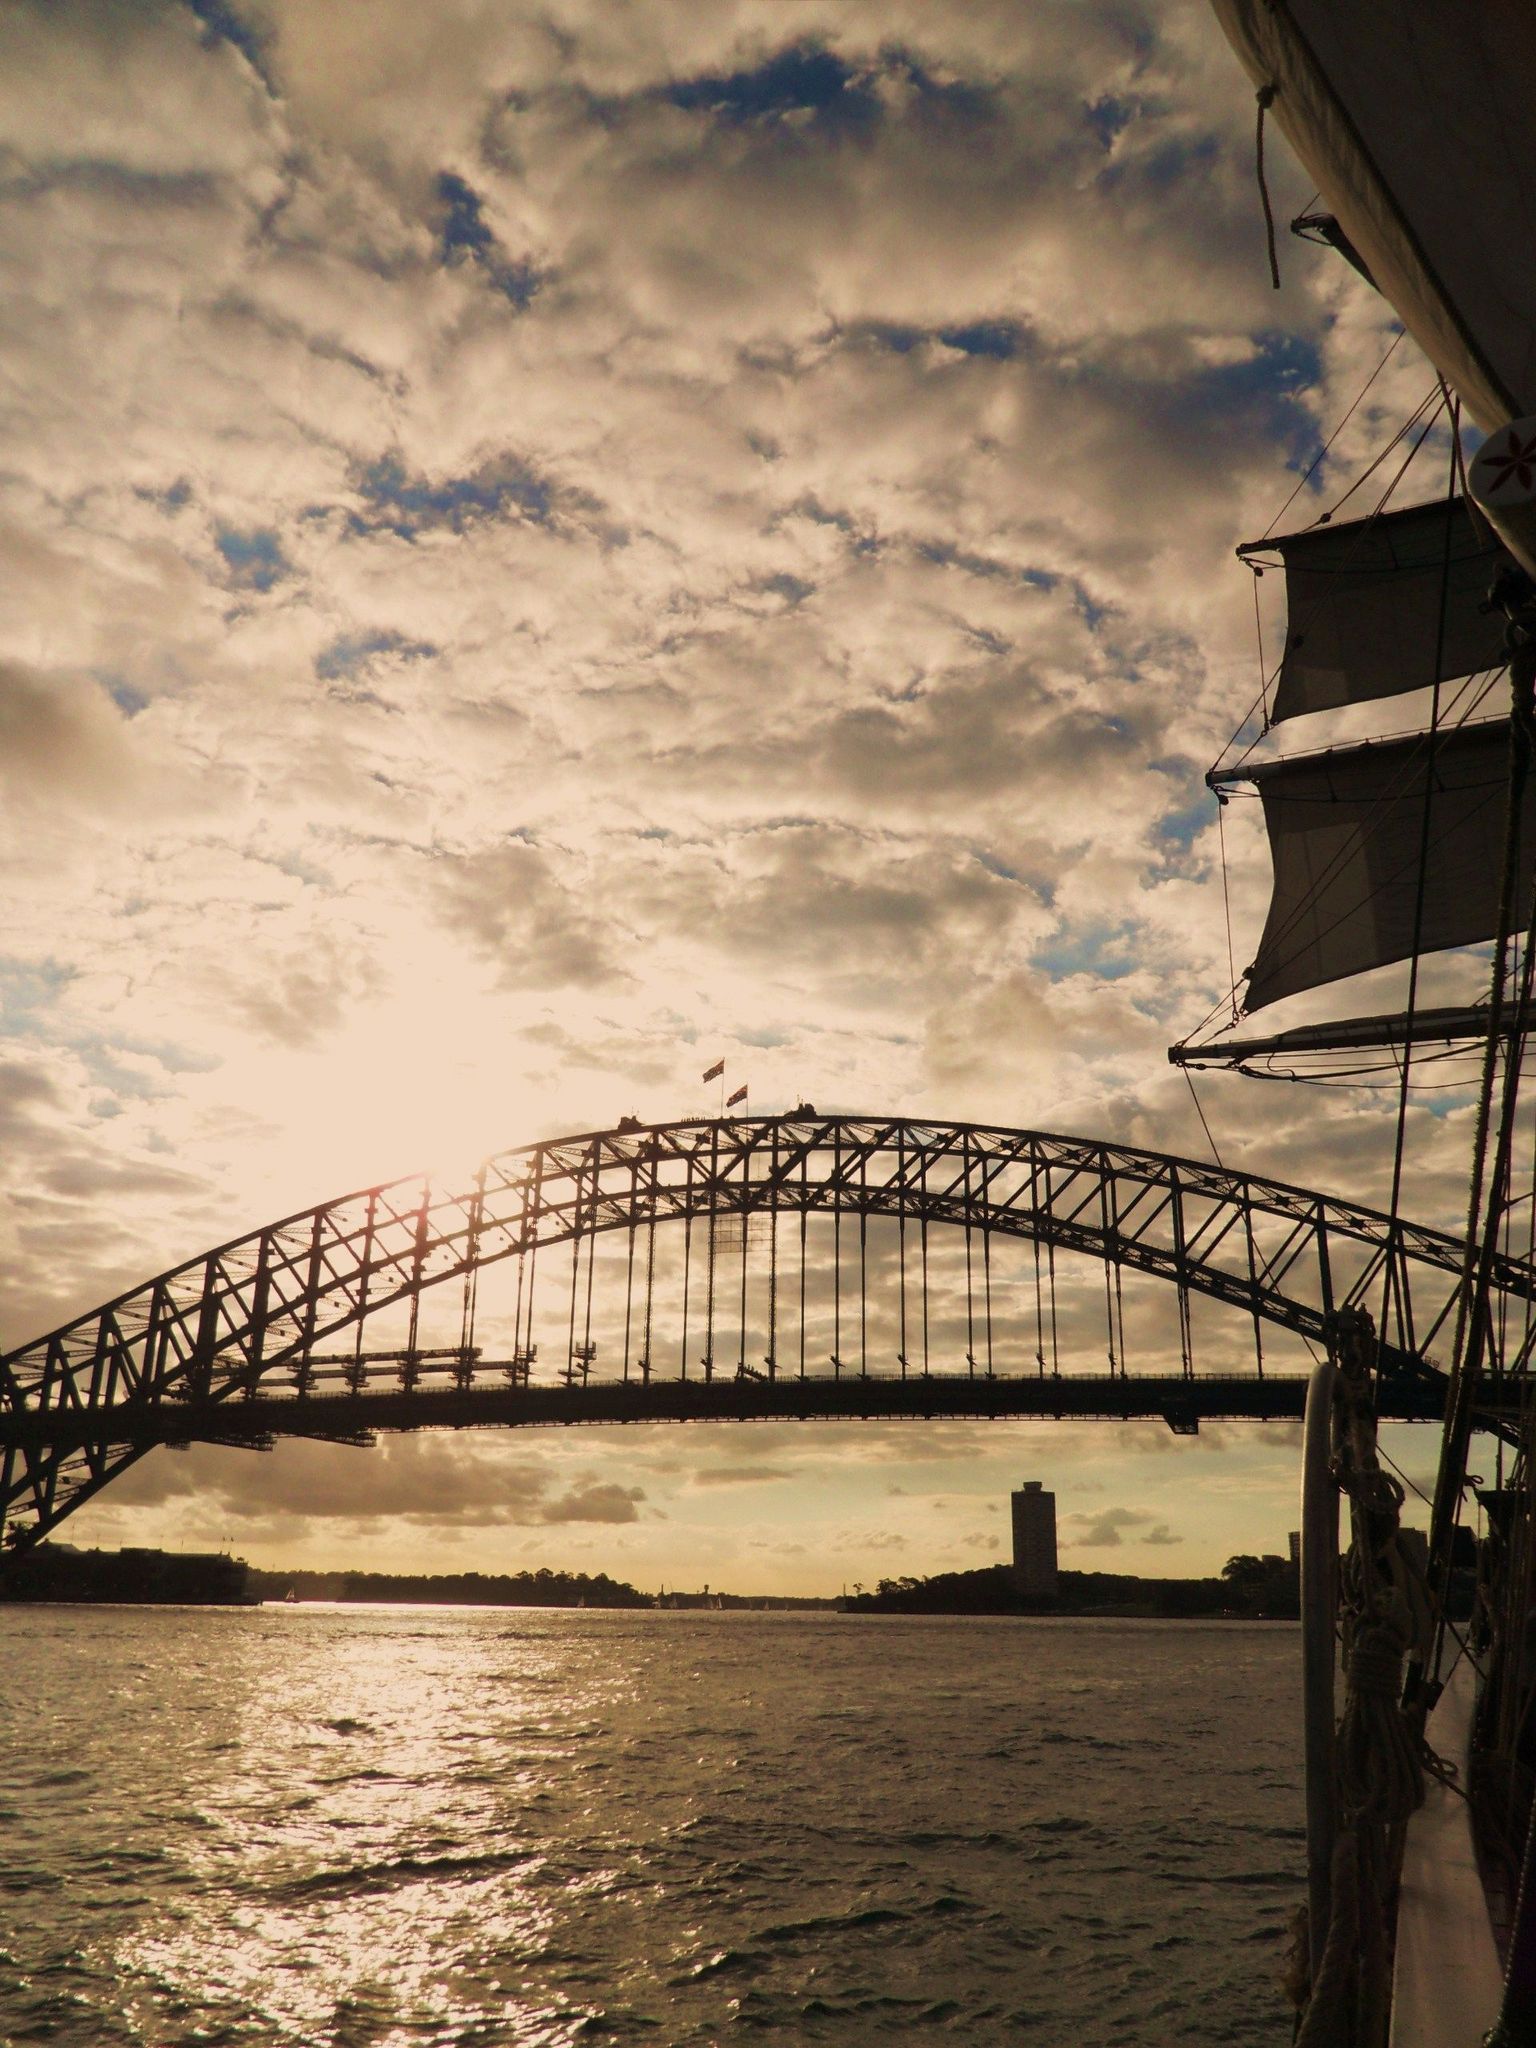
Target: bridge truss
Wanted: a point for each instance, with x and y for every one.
(760, 1266)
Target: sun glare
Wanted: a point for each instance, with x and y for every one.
(433, 1076)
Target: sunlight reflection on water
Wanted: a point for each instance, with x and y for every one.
(390, 1826)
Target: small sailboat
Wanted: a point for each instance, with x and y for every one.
(1417, 122)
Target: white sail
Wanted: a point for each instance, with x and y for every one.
(1346, 834)
(1371, 601)
(1417, 119)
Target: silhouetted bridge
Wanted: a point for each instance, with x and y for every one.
(767, 1267)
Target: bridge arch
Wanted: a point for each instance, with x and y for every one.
(229, 1346)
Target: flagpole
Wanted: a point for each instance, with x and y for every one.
(716, 1071)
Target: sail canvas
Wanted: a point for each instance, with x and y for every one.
(1415, 118)
(1345, 832)
(1370, 601)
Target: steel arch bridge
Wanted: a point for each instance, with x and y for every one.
(232, 1347)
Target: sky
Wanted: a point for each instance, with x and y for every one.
(545, 545)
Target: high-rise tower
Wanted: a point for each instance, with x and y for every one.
(1034, 1540)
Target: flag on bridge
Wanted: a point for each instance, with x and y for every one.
(713, 1073)
(739, 1096)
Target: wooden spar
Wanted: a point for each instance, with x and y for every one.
(1458, 1025)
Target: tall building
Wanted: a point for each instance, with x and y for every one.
(1034, 1540)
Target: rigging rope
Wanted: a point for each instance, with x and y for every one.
(1199, 1112)
(1258, 634)
(1435, 391)
(1484, 1194)
(1392, 1276)
(1266, 99)
(1322, 453)
(1226, 895)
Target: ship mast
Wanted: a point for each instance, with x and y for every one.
(1415, 120)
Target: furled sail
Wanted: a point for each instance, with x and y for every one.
(1345, 833)
(1465, 1024)
(1417, 121)
(1364, 606)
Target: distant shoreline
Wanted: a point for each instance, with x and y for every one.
(1251, 1589)
(62, 1574)
(507, 1589)
(1256, 1589)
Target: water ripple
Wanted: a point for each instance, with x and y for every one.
(449, 1829)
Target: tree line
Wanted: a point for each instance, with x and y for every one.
(541, 1588)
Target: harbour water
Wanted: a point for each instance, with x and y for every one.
(351, 1826)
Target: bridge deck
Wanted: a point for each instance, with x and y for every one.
(1183, 1402)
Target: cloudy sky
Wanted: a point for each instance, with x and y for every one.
(545, 544)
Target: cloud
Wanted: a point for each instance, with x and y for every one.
(1105, 1530)
(148, 101)
(598, 1502)
(428, 1482)
(510, 905)
(535, 542)
(24, 1092)
(63, 737)
(741, 1475)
